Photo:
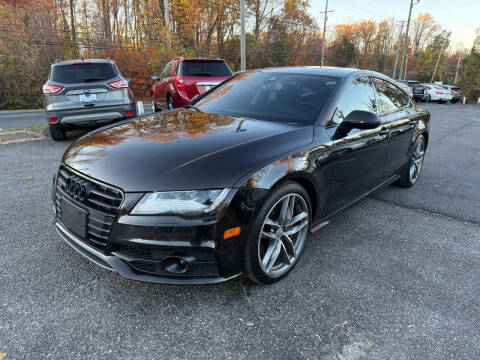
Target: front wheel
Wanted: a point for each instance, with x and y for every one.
(154, 107)
(411, 172)
(278, 235)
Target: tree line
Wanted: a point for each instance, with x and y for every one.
(142, 35)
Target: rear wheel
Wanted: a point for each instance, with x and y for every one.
(411, 172)
(278, 235)
(57, 132)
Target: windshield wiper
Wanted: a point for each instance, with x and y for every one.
(189, 106)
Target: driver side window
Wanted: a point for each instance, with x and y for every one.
(358, 96)
(167, 72)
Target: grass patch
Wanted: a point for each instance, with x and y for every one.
(35, 128)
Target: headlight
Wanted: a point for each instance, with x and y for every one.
(196, 202)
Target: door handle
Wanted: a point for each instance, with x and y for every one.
(383, 132)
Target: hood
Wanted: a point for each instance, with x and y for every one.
(182, 150)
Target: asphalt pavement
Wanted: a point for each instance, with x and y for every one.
(394, 277)
(23, 118)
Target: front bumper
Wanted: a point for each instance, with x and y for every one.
(115, 263)
(150, 248)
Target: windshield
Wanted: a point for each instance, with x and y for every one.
(204, 68)
(292, 98)
(82, 72)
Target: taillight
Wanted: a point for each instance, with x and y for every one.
(438, 92)
(129, 112)
(180, 84)
(51, 89)
(119, 84)
(52, 120)
(452, 92)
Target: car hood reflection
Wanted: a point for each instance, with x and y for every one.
(182, 150)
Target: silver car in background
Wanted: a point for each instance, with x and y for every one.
(82, 93)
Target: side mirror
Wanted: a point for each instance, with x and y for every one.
(357, 119)
(154, 77)
(360, 119)
(128, 80)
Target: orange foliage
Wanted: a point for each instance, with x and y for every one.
(133, 64)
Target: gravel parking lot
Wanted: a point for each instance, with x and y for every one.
(394, 277)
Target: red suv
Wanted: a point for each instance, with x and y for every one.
(182, 79)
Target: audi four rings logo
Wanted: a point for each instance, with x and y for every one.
(76, 189)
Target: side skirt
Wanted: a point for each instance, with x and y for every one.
(326, 220)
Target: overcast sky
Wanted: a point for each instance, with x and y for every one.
(461, 17)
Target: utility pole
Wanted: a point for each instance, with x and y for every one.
(167, 23)
(243, 61)
(458, 68)
(398, 51)
(406, 67)
(324, 32)
(438, 60)
(404, 51)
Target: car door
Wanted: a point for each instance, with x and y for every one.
(358, 156)
(161, 95)
(397, 114)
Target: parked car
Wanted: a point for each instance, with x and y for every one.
(455, 91)
(417, 89)
(437, 93)
(235, 181)
(407, 88)
(82, 93)
(182, 79)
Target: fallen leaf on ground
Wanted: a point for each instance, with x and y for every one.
(28, 178)
(2, 355)
(249, 324)
(410, 326)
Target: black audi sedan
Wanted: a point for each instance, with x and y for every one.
(234, 182)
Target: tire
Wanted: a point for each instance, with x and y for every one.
(57, 133)
(411, 171)
(429, 98)
(154, 107)
(269, 258)
(170, 103)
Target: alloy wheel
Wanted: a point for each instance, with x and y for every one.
(283, 235)
(417, 160)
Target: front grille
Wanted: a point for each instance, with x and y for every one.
(102, 204)
(149, 260)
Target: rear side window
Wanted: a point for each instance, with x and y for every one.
(82, 72)
(202, 68)
(390, 97)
